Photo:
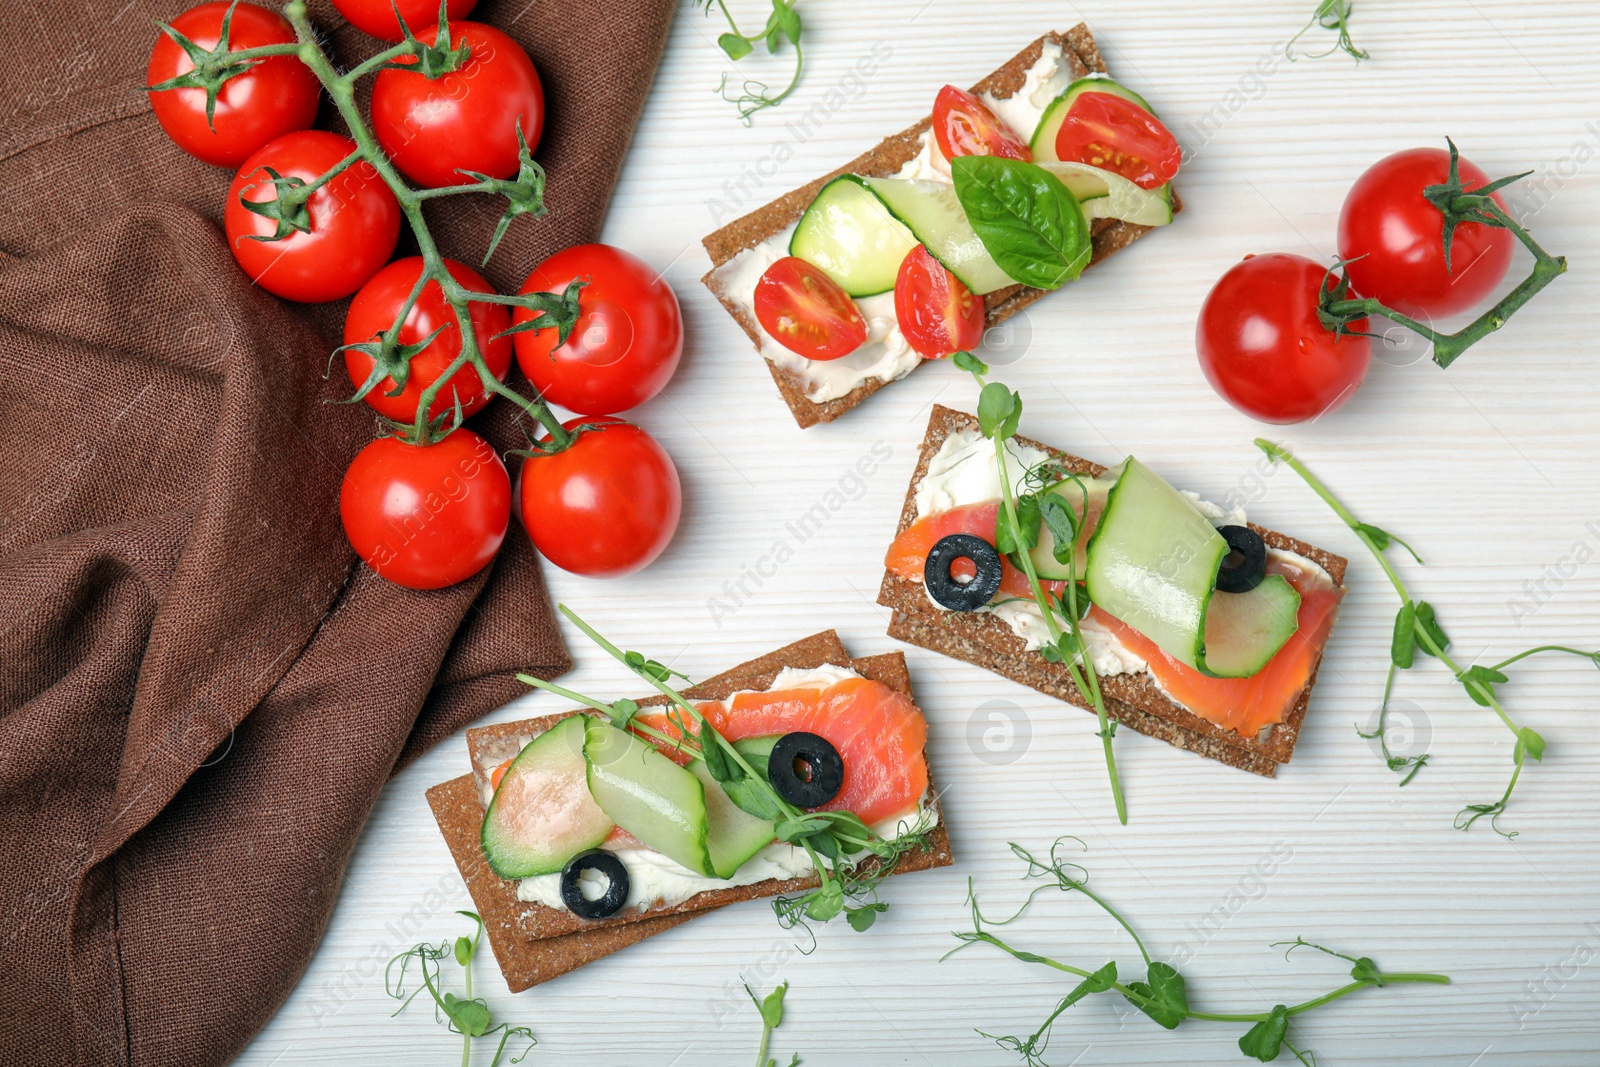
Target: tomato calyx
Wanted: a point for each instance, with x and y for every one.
(1457, 205)
(287, 208)
(214, 67)
(550, 311)
(1337, 306)
(549, 446)
(390, 359)
(524, 194)
(429, 60)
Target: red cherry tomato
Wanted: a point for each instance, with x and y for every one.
(376, 17)
(1262, 348)
(373, 311)
(1394, 238)
(426, 516)
(277, 95)
(937, 314)
(807, 312)
(355, 220)
(963, 125)
(626, 342)
(605, 507)
(464, 120)
(1113, 133)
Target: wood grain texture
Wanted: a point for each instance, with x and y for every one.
(1487, 468)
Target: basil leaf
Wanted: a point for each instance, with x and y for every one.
(1025, 218)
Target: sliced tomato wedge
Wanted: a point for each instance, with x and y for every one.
(937, 314)
(963, 125)
(807, 312)
(1113, 133)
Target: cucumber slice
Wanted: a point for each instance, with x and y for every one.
(1107, 195)
(852, 237)
(1075, 496)
(931, 211)
(647, 794)
(733, 835)
(1245, 630)
(542, 815)
(1043, 142)
(1153, 564)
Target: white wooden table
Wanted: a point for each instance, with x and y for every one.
(1489, 469)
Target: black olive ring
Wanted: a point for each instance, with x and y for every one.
(1246, 562)
(824, 769)
(942, 585)
(606, 904)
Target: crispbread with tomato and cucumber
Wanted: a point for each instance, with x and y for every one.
(583, 832)
(909, 252)
(1183, 620)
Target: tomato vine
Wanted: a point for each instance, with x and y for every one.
(524, 195)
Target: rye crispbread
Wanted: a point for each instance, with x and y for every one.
(1133, 699)
(534, 943)
(1107, 235)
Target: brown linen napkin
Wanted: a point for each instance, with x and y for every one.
(201, 690)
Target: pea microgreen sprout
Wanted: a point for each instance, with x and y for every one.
(1163, 992)
(1017, 531)
(783, 23)
(771, 1009)
(1338, 309)
(1330, 15)
(524, 195)
(836, 842)
(1416, 627)
(466, 1015)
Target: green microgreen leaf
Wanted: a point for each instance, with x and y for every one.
(1381, 539)
(1529, 743)
(1022, 536)
(1330, 15)
(736, 47)
(718, 765)
(465, 1014)
(999, 411)
(861, 918)
(970, 363)
(1403, 645)
(1264, 1040)
(1163, 996)
(1429, 625)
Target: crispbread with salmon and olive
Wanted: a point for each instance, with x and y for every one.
(537, 937)
(1031, 92)
(1250, 720)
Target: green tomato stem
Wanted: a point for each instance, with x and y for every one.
(1448, 347)
(341, 89)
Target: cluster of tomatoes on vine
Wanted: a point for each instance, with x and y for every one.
(1423, 235)
(457, 107)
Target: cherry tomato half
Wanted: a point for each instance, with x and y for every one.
(807, 312)
(464, 120)
(937, 314)
(277, 95)
(606, 506)
(1113, 133)
(626, 342)
(426, 516)
(1262, 348)
(1394, 238)
(376, 17)
(355, 220)
(963, 125)
(373, 311)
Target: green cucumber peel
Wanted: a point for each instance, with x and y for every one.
(1162, 994)
(1417, 629)
(465, 1014)
(999, 412)
(1030, 224)
(848, 883)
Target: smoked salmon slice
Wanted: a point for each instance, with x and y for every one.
(879, 733)
(909, 554)
(1245, 705)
